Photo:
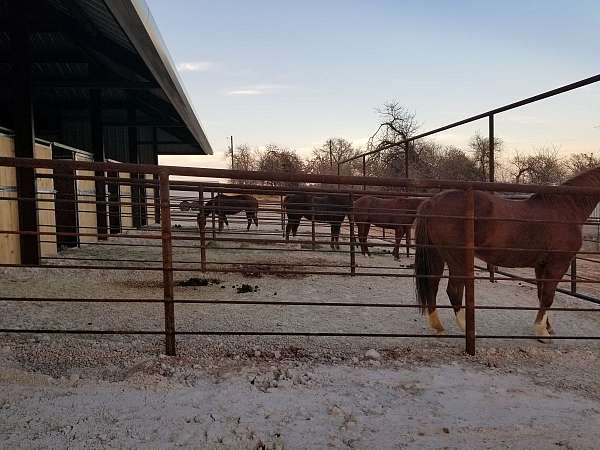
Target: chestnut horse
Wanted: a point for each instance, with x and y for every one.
(397, 213)
(532, 239)
(225, 205)
(330, 208)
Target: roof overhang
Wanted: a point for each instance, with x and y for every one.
(137, 22)
(82, 47)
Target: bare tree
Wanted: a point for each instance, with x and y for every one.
(397, 124)
(542, 167)
(324, 159)
(275, 159)
(580, 162)
(480, 148)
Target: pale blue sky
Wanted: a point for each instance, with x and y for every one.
(296, 73)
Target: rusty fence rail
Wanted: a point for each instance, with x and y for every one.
(177, 230)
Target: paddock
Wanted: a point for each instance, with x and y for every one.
(299, 292)
(263, 323)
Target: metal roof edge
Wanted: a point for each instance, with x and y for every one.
(137, 22)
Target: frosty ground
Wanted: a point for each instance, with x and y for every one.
(96, 391)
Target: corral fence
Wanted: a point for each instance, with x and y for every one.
(183, 247)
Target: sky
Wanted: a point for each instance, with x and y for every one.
(298, 73)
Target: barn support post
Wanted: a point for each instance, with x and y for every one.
(201, 219)
(470, 272)
(352, 239)
(155, 177)
(492, 174)
(574, 275)
(24, 134)
(167, 256)
(312, 222)
(132, 138)
(99, 156)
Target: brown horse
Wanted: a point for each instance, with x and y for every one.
(396, 213)
(523, 242)
(225, 205)
(329, 208)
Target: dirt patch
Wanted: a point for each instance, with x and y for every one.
(279, 270)
(244, 288)
(140, 284)
(195, 281)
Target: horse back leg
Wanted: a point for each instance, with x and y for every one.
(398, 232)
(249, 219)
(335, 234)
(437, 270)
(407, 230)
(547, 276)
(455, 291)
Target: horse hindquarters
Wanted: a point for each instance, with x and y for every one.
(429, 267)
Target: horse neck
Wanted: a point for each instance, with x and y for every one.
(578, 206)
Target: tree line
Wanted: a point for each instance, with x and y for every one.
(426, 157)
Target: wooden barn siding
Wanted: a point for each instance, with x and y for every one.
(126, 211)
(46, 205)
(10, 252)
(86, 192)
(150, 201)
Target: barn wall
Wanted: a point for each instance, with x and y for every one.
(10, 251)
(126, 210)
(45, 204)
(86, 192)
(150, 201)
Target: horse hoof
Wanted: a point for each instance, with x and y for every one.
(542, 333)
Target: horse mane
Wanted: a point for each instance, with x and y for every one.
(587, 178)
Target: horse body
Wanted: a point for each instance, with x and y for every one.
(393, 213)
(529, 238)
(331, 209)
(225, 205)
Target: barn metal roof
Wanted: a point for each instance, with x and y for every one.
(110, 45)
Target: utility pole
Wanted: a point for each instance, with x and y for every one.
(232, 153)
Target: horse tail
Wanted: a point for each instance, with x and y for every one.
(427, 259)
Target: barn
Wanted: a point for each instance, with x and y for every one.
(84, 80)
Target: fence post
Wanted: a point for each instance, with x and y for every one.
(282, 216)
(167, 254)
(352, 239)
(364, 164)
(212, 202)
(470, 272)
(574, 275)
(492, 174)
(312, 221)
(202, 226)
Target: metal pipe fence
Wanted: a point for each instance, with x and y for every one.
(241, 248)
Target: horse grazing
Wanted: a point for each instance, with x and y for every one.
(547, 246)
(396, 213)
(225, 205)
(330, 208)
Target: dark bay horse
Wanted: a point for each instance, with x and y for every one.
(225, 205)
(330, 208)
(547, 247)
(393, 213)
